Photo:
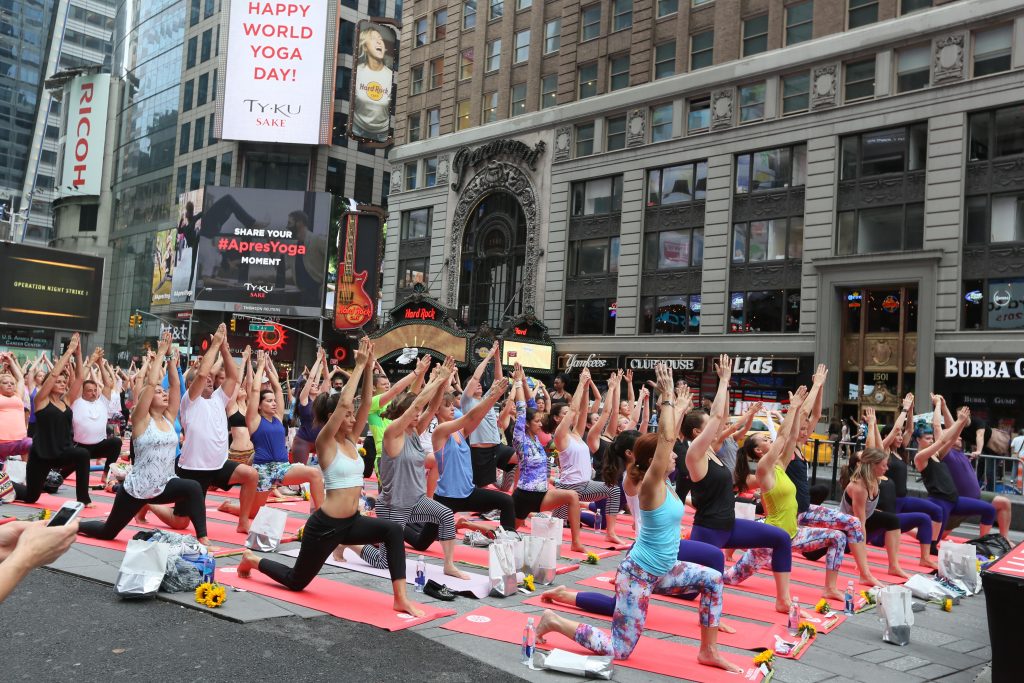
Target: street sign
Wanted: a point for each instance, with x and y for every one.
(255, 327)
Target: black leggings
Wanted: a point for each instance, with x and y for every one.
(108, 449)
(323, 534)
(487, 459)
(370, 448)
(181, 491)
(71, 459)
(880, 520)
(420, 535)
(484, 500)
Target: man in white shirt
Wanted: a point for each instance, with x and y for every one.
(90, 409)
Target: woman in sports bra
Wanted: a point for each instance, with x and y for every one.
(240, 447)
(337, 522)
(861, 498)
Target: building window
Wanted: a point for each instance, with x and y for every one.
(89, 213)
(196, 176)
(885, 228)
(523, 4)
(752, 102)
(548, 91)
(211, 171)
(433, 122)
(600, 196)
(860, 80)
(894, 150)
(199, 134)
(437, 72)
(335, 176)
(416, 75)
(469, 14)
(225, 169)
(594, 257)
(698, 3)
(992, 50)
(587, 80)
(998, 133)
(590, 22)
(995, 219)
(552, 36)
(497, 10)
(206, 47)
(622, 14)
(185, 137)
(618, 72)
(661, 122)
(862, 12)
(664, 60)
(421, 32)
(589, 316)
(585, 139)
(673, 249)
(190, 52)
(415, 134)
(992, 304)
(799, 22)
(908, 6)
(339, 127)
(415, 224)
(796, 93)
(343, 82)
(771, 240)
(489, 110)
(771, 169)
(775, 310)
(522, 51)
(755, 35)
(701, 50)
(698, 116)
(518, 103)
(462, 115)
(411, 172)
(181, 180)
(493, 56)
(412, 272)
(615, 133)
(202, 85)
(676, 184)
(430, 172)
(186, 97)
(667, 7)
(673, 314)
(440, 24)
(913, 68)
(346, 37)
(466, 64)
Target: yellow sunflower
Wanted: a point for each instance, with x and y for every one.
(592, 558)
(808, 628)
(203, 592)
(528, 582)
(766, 657)
(823, 607)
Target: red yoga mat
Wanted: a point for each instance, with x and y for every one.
(651, 654)
(805, 571)
(339, 599)
(53, 503)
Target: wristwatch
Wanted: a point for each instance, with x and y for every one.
(667, 403)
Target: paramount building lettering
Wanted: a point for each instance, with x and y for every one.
(466, 158)
(984, 369)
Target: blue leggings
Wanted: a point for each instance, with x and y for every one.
(966, 507)
(689, 551)
(908, 521)
(914, 504)
(746, 534)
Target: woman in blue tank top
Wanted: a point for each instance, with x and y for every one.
(651, 564)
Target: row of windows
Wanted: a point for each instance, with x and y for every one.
(196, 53)
(194, 179)
(202, 89)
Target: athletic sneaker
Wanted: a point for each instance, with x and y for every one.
(476, 539)
(438, 591)
(492, 516)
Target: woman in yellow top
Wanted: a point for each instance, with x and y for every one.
(778, 495)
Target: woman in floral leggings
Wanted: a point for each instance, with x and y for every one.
(651, 564)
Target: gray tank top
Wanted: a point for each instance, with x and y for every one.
(403, 479)
(870, 504)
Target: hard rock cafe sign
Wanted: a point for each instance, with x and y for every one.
(515, 150)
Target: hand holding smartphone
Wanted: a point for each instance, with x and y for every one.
(67, 513)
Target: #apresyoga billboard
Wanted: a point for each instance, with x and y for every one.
(279, 72)
(85, 101)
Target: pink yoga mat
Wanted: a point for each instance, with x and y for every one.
(343, 601)
(53, 503)
(848, 572)
(651, 654)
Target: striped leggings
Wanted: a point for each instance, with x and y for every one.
(426, 510)
(806, 540)
(822, 517)
(590, 491)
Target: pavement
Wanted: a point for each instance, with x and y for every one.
(255, 634)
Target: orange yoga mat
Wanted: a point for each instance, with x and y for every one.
(651, 654)
(339, 599)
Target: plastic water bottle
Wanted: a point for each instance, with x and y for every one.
(421, 574)
(529, 641)
(848, 598)
(794, 617)
(598, 522)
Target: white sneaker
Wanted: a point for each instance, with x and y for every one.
(476, 539)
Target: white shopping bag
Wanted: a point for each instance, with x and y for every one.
(925, 588)
(958, 564)
(547, 527)
(501, 568)
(896, 614)
(586, 666)
(15, 470)
(744, 511)
(541, 559)
(266, 530)
(516, 540)
(142, 569)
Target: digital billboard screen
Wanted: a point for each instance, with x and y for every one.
(49, 288)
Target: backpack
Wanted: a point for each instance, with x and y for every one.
(991, 545)
(999, 442)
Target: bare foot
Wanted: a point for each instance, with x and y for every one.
(225, 506)
(928, 563)
(782, 606)
(833, 593)
(898, 571)
(408, 608)
(452, 571)
(243, 525)
(557, 594)
(141, 517)
(90, 505)
(869, 580)
(725, 628)
(249, 561)
(615, 539)
(713, 658)
(546, 625)
(577, 548)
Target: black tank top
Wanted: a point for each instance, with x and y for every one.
(53, 431)
(897, 474)
(939, 481)
(236, 420)
(714, 498)
(796, 470)
(887, 495)
(597, 459)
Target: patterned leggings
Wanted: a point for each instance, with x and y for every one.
(590, 491)
(633, 588)
(806, 540)
(426, 510)
(822, 517)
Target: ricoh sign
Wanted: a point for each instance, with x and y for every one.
(85, 101)
(984, 369)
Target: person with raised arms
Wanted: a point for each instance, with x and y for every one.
(89, 396)
(489, 454)
(14, 439)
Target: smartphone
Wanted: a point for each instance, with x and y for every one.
(67, 513)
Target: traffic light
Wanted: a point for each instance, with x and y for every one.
(131, 320)
(233, 323)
